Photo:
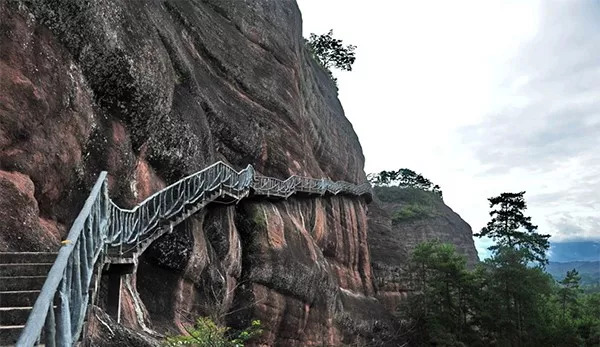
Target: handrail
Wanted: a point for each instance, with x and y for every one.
(60, 270)
(102, 224)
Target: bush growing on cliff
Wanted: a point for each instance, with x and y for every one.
(331, 53)
(414, 203)
(206, 333)
(404, 178)
(412, 211)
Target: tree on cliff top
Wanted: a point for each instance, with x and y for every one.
(330, 52)
(404, 178)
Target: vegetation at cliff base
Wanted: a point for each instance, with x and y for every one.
(507, 300)
(206, 333)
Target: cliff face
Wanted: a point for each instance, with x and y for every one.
(398, 221)
(151, 91)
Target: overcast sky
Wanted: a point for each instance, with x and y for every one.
(481, 97)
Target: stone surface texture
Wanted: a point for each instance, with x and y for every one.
(391, 244)
(152, 91)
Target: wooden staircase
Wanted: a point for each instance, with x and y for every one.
(21, 278)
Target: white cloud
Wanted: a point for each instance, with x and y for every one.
(481, 97)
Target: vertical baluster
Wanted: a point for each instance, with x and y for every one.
(129, 226)
(122, 221)
(83, 254)
(160, 202)
(142, 221)
(175, 200)
(50, 327)
(111, 225)
(169, 203)
(118, 218)
(63, 333)
(187, 190)
(89, 244)
(146, 218)
(154, 209)
(75, 289)
(137, 216)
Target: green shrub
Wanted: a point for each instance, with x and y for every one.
(413, 212)
(407, 195)
(415, 203)
(206, 333)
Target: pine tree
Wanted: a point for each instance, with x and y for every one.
(569, 289)
(509, 227)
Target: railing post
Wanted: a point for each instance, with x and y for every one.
(63, 323)
(50, 328)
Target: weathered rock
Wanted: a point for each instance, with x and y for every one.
(152, 91)
(303, 254)
(103, 331)
(21, 227)
(392, 241)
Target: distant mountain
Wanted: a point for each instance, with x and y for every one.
(588, 270)
(574, 251)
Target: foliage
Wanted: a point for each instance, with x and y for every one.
(508, 300)
(502, 302)
(414, 203)
(510, 228)
(330, 52)
(569, 288)
(406, 195)
(404, 178)
(206, 333)
(589, 271)
(445, 290)
(412, 211)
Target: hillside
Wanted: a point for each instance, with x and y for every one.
(588, 270)
(400, 219)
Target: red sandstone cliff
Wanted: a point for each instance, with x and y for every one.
(155, 90)
(392, 240)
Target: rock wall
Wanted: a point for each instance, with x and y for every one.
(152, 91)
(391, 242)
